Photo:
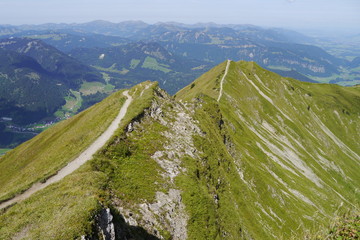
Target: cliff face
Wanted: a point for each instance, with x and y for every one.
(241, 153)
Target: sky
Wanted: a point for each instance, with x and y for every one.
(327, 15)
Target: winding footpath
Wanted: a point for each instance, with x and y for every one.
(80, 160)
(223, 78)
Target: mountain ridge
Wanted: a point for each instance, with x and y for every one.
(273, 158)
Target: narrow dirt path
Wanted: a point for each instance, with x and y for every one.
(223, 78)
(142, 92)
(80, 160)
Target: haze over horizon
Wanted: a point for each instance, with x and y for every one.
(326, 15)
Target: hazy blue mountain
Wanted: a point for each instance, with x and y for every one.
(52, 60)
(273, 48)
(99, 27)
(132, 63)
(138, 29)
(66, 40)
(355, 63)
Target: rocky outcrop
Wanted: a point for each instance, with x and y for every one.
(106, 225)
(167, 213)
(104, 228)
(170, 211)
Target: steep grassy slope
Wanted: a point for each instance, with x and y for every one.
(64, 210)
(290, 149)
(46, 153)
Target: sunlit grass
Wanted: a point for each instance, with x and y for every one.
(52, 149)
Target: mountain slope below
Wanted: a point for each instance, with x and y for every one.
(27, 91)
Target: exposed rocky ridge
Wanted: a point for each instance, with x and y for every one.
(105, 224)
(167, 212)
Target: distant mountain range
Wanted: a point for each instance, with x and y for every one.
(138, 29)
(36, 80)
(66, 40)
(272, 48)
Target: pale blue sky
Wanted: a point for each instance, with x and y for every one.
(296, 14)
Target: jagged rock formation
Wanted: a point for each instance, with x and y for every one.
(106, 225)
(271, 158)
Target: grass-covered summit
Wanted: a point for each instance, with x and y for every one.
(271, 158)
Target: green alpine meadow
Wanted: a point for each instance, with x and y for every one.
(240, 153)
